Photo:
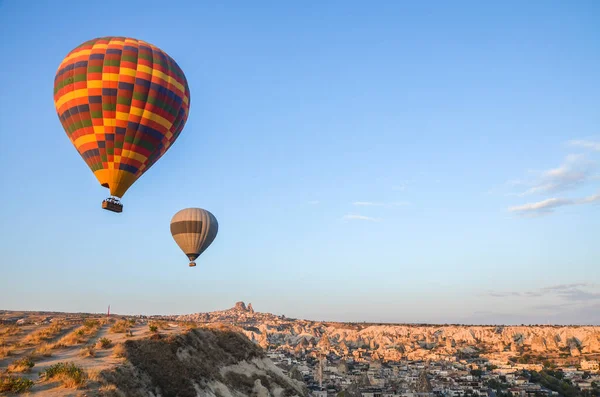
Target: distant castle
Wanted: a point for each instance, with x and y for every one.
(241, 306)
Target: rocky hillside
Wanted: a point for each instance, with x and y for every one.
(201, 362)
(413, 342)
(66, 354)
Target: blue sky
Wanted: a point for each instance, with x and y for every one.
(390, 161)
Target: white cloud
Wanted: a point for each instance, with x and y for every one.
(541, 206)
(568, 292)
(575, 171)
(376, 204)
(547, 206)
(591, 199)
(355, 217)
(592, 145)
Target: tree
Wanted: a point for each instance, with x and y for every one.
(477, 372)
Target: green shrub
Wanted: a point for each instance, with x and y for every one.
(104, 343)
(153, 328)
(69, 374)
(14, 384)
(21, 365)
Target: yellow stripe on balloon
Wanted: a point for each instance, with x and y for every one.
(144, 68)
(127, 71)
(165, 78)
(128, 154)
(82, 140)
(122, 116)
(160, 75)
(136, 111)
(80, 93)
(158, 119)
(110, 76)
(94, 83)
(75, 55)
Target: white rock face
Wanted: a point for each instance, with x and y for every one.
(390, 342)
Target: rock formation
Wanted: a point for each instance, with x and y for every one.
(394, 342)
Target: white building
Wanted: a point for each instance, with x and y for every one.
(591, 365)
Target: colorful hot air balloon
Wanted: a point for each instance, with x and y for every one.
(194, 229)
(122, 102)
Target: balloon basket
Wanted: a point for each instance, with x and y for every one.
(192, 264)
(111, 204)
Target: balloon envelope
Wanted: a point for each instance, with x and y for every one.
(122, 102)
(194, 229)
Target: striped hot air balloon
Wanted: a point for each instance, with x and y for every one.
(122, 102)
(194, 229)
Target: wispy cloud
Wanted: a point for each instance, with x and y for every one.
(575, 292)
(575, 170)
(379, 204)
(356, 217)
(314, 202)
(590, 199)
(548, 206)
(585, 144)
(575, 303)
(541, 207)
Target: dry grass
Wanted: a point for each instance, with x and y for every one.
(93, 375)
(92, 323)
(88, 351)
(10, 330)
(45, 334)
(70, 382)
(159, 324)
(6, 351)
(190, 325)
(44, 350)
(81, 335)
(111, 391)
(120, 327)
(119, 350)
(21, 365)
